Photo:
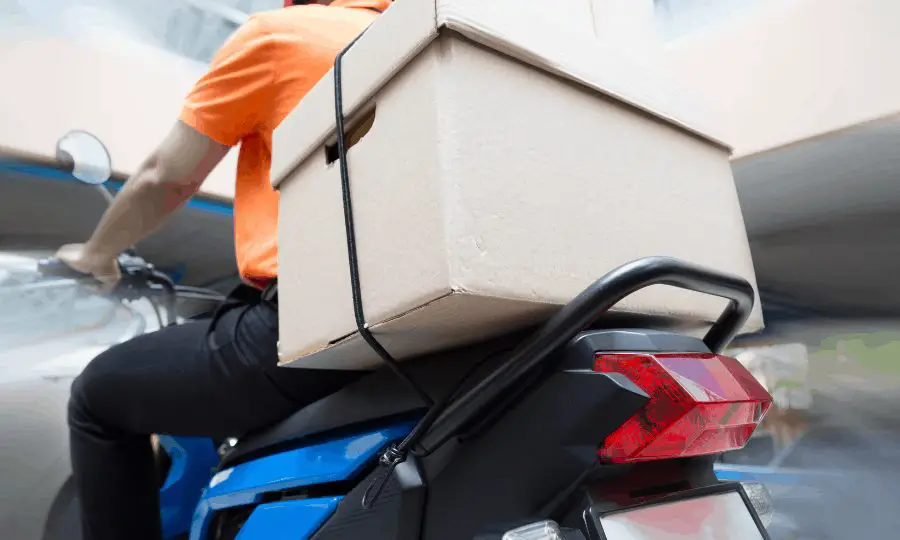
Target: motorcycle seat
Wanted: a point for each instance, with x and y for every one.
(379, 396)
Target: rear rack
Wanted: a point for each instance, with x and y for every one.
(583, 311)
(447, 417)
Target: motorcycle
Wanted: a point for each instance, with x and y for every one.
(576, 429)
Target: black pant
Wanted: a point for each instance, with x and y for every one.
(204, 378)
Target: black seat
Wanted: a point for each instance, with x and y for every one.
(372, 399)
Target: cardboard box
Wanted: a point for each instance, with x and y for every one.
(500, 165)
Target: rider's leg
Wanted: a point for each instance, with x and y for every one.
(195, 379)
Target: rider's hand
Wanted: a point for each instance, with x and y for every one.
(78, 257)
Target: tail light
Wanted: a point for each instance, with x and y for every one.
(699, 404)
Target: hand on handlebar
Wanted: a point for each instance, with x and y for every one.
(75, 256)
(127, 277)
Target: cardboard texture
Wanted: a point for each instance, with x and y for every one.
(495, 175)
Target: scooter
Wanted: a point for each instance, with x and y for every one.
(576, 429)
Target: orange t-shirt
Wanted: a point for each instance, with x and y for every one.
(255, 80)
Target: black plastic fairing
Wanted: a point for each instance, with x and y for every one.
(537, 449)
(503, 474)
(380, 396)
(374, 399)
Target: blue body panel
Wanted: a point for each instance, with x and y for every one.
(288, 520)
(330, 461)
(764, 475)
(193, 462)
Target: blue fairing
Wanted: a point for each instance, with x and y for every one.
(245, 484)
(288, 520)
(748, 473)
(193, 462)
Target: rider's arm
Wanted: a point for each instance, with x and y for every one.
(168, 178)
(233, 100)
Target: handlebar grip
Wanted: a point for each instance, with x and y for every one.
(53, 267)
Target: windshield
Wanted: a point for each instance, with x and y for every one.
(35, 310)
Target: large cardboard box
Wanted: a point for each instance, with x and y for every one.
(501, 162)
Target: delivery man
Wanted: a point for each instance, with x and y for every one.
(216, 379)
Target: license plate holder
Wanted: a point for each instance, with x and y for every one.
(707, 513)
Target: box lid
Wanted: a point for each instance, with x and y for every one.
(550, 39)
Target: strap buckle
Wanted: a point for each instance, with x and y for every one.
(270, 293)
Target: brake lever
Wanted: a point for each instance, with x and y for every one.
(136, 276)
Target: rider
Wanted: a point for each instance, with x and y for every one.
(216, 378)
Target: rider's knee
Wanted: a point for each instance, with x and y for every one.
(77, 410)
(84, 390)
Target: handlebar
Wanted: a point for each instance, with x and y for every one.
(140, 279)
(54, 267)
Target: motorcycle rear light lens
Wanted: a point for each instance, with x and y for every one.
(699, 404)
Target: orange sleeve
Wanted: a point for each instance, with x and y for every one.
(236, 96)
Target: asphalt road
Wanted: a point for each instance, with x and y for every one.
(848, 469)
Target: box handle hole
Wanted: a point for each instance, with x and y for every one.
(357, 130)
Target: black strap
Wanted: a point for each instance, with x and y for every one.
(361, 324)
(270, 293)
(396, 453)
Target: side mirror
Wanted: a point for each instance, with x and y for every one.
(82, 154)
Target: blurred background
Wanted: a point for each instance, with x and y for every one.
(809, 98)
(193, 29)
(806, 91)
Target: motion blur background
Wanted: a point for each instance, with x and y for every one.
(807, 92)
(193, 29)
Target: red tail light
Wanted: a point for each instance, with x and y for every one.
(699, 404)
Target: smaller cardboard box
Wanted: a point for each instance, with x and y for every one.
(500, 163)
